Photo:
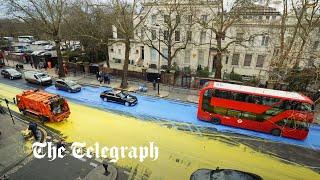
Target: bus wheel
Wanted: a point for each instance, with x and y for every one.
(276, 132)
(215, 120)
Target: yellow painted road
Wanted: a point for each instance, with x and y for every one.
(180, 153)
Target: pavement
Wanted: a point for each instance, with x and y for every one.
(14, 148)
(170, 92)
(17, 161)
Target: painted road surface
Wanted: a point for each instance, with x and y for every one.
(180, 153)
(164, 109)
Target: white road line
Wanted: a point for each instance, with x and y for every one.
(93, 164)
(82, 159)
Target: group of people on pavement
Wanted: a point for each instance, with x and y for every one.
(103, 77)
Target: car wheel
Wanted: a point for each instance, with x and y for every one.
(216, 120)
(11, 78)
(126, 104)
(69, 90)
(276, 132)
(105, 99)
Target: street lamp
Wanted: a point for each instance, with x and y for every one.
(159, 56)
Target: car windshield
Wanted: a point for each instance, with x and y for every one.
(71, 83)
(42, 75)
(121, 95)
(12, 71)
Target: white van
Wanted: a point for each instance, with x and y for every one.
(37, 78)
(25, 39)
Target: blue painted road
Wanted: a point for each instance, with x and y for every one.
(152, 108)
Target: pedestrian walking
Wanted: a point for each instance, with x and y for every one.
(154, 84)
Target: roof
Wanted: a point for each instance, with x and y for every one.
(38, 95)
(261, 91)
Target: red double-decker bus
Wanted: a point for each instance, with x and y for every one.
(280, 113)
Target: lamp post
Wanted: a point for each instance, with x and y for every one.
(159, 56)
(7, 102)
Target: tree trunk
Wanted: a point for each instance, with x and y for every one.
(61, 72)
(217, 74)
(124, 80)
(106, 49)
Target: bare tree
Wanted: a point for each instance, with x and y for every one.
(91, 23)
(221, 17)
(125, 13)
(45, 15)
(296, 36)
(173, 22)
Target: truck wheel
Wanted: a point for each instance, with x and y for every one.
(216, 120)
(276, 132)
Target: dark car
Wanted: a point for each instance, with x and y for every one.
(11, 73)
(223, 174)
(119, 97)
(66, 85)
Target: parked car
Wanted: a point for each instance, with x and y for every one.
(11, 73)
(66, 85)
(37, 78)
(119, 97)
(231, 174)
(143, 88)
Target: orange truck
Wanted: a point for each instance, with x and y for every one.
(46, 106)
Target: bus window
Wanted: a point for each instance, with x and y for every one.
(234, 113)
(291, 123)
(220, 110)
(249, 116)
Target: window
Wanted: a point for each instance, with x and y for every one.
(247, 60)
(200, 57)
(142, 33)
(189, 19)
(265, 40)
(291, 123)
(311, 61)
(315, 45)
(189, 35)
(202, 37)
(119, 51)
(267, 17)
(153, 34)
(166, 35)
(165, 53)
(234, 113)
(276, 51)
(177, 19)
(260, 17)
(204, 18)
(251, 40)
(260, 61)
(166, 18)
(220, 110)
(154, 19)
(239, 37)
(249, 116)
(187, 54)
(153, 54)
(235, 59)
(274, 17)
(227, 59)
(177, 36)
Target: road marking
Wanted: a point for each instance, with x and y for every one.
(82, 159)
(93, 164)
